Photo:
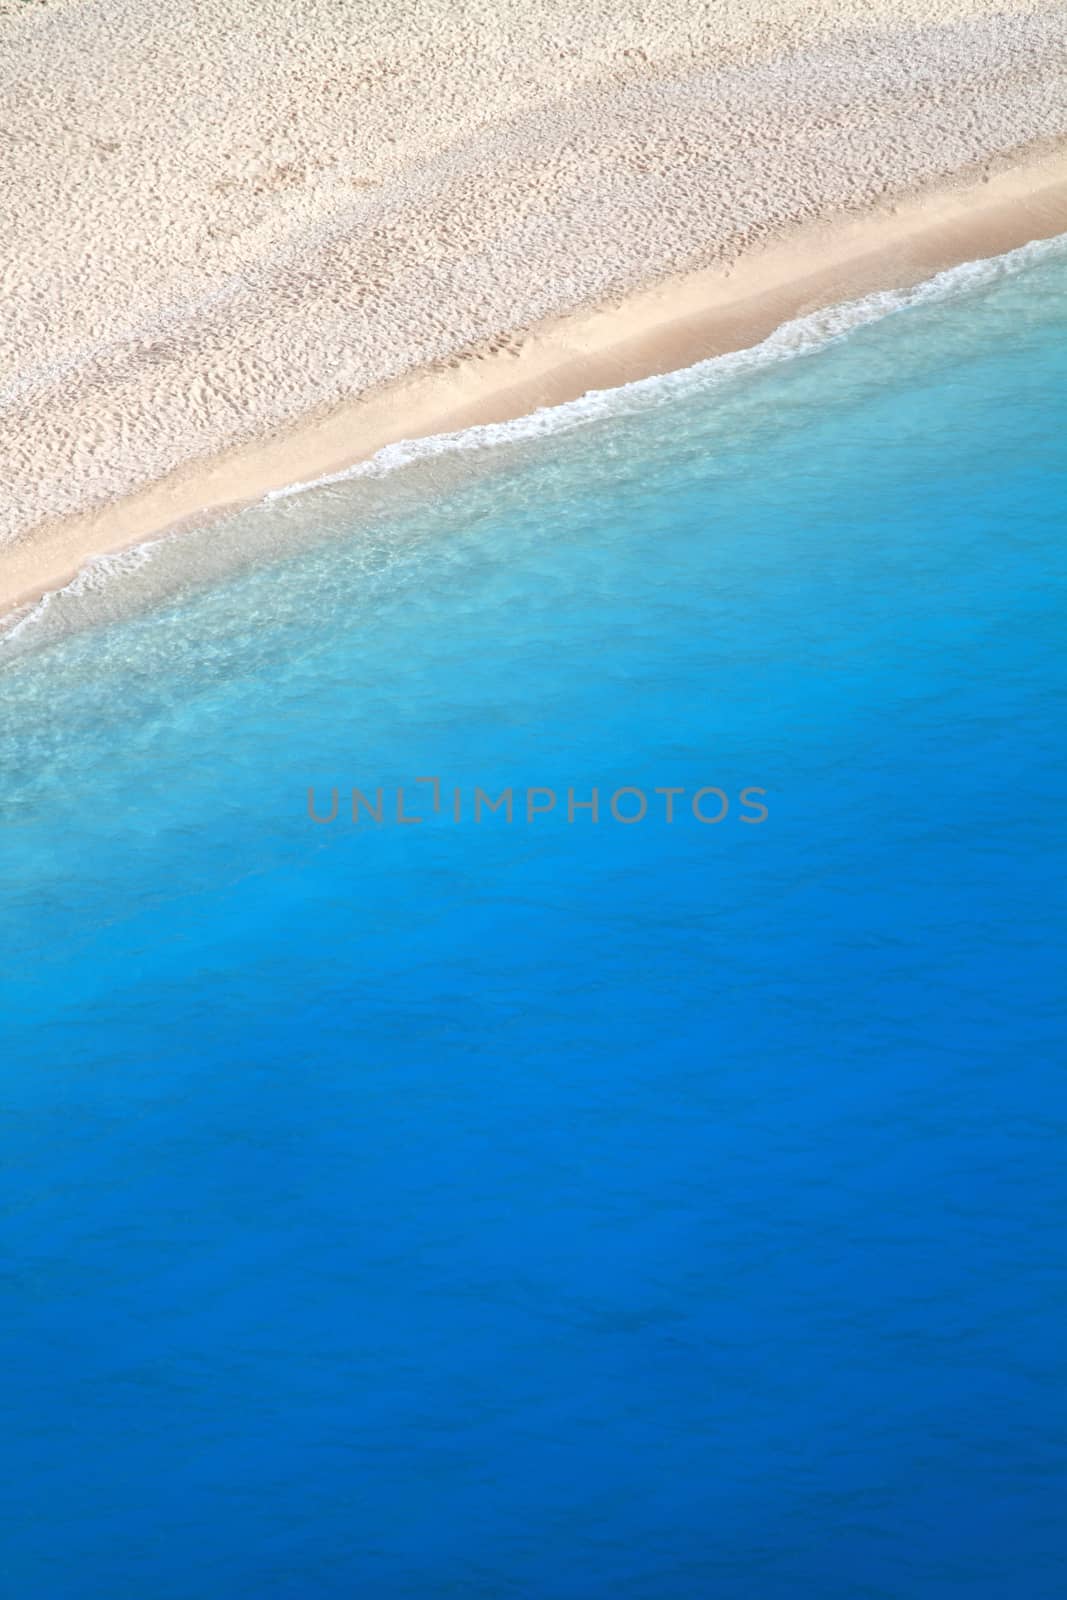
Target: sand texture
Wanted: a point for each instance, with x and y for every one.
(221, 218)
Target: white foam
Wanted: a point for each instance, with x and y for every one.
(803, 336)
(92, 579)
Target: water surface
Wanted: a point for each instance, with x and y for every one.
(562, 1209)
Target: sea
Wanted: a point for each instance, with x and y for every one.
(533, 1031)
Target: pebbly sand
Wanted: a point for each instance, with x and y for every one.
(247, 243)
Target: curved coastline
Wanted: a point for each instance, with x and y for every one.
(668, 327)
(253, 243)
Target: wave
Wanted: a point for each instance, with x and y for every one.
(802, 336)
(799, 337)
(94, 578)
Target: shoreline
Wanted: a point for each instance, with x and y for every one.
(673, 324)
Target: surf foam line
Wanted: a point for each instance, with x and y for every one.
(800, 337)
(93, 578)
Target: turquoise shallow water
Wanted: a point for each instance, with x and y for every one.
(562, 1209)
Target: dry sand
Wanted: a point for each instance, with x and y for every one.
(247, 241)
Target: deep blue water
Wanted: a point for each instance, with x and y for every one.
(564, 1210)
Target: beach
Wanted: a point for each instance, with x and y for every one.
(532, 593)
(250, 245)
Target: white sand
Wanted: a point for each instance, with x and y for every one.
(220, 218)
